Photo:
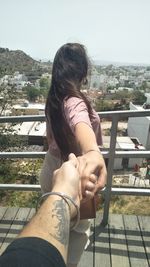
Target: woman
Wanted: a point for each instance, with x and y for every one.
(73, 127)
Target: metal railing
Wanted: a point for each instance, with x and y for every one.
(115, 117)
(111, 154)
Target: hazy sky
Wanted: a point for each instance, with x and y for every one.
(113, 30)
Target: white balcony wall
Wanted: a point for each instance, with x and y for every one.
(139, 127)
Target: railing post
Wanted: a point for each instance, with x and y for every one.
(107, 194)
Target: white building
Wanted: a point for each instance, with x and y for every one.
(98, 80)
(124, 143)
(27, 108)
(5, 80)
(95, 79)
(35, 132)
(112, 81)
(147, 75)
(139, 127)
(19, 80)
(121, 88)
(47, 75)
(148, 98)
(123, 77)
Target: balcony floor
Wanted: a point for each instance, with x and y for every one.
(124, 242)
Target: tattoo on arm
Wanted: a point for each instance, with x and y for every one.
(61, 213)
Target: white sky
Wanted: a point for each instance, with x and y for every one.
(113, 30)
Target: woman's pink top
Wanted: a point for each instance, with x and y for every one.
(76, 111)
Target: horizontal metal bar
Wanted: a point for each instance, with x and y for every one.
(131, 191)
(127, 191)
(22, 154)
(107, 114)
(118, 154)
(22, 118)
(128, 154)
(114, 190)
(125, 113)
(20, 187)
(133, 154)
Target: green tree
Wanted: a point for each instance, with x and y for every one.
(103, 105)
(32, 92)
(143, 86)
(14, 170)
(122, 95)
(138, 98)
(8, 96)
(44, 92)
(44, 83)
(44, 86)
(94, 85)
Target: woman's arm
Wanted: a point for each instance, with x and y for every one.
(92, 156)
(77, 117)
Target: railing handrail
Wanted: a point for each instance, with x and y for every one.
(114, 190)
(118, 154)
(125, 113)
(105, 114)
(23, 118)
(111, 154)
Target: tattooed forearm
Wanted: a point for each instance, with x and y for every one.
(60, 212)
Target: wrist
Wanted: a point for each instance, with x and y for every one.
(93, 150)
(71, 204)
(67, 200)
(68, 190)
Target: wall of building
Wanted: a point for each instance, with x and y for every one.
(131, 163)
(118, 164)
(140, 128)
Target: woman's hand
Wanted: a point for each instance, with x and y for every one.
(94, 166)
(91, 162)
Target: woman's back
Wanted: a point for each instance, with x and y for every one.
(75, 111)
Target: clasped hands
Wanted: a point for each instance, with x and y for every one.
(81, 178)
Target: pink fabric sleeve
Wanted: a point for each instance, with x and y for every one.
(76, 111)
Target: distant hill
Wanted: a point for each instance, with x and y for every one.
(17, 60)
(117, 64)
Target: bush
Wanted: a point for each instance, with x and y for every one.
(103, 105)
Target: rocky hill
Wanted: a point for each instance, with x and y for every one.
(17, 60)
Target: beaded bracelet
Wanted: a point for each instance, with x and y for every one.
(65, 198)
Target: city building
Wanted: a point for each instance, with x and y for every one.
(125, 143)
(27, 108)
(139, 127)
(34, 132)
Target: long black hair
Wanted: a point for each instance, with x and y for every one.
(69, 72)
